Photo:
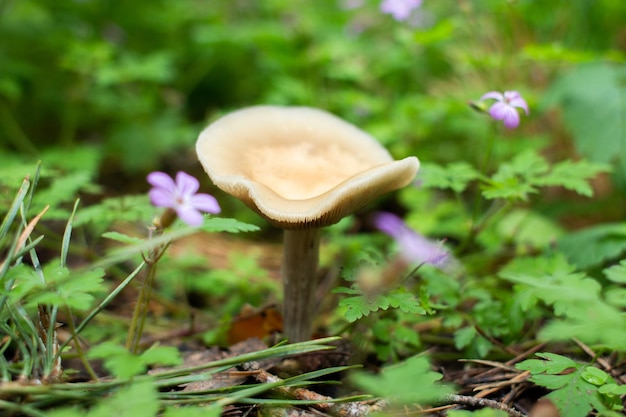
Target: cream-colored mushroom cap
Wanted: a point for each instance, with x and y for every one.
(297, 166)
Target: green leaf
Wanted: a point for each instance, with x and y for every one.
(404, 301)
(73, 289)
(591, 97)
(515, 180)
(617, 273)
(551, 364)
(572, 394)
(120, 237)
(360, 306)
(569, 293)
(221, 224)
(573, 175)
(161, 355)
(455, 176)
(119, 361)
(464, 336)
(526, 227)
(123, 364)
(398, 383)
(612, 389)
(595, 245)
(595, 375)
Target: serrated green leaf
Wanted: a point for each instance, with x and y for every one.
(73, 289)
(405, 302)
(516, 180)
(568, 293)
(573, 175)
(455, 176)
(356, 307)
(507, 186)
(571, 393)
(120, 237)
(576, 397)
(397, 383)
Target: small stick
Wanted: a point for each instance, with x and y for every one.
(352, 409)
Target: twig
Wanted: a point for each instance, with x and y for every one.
(351, 409)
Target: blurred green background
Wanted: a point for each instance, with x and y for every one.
(116, 89)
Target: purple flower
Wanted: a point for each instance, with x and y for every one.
(181, 196)
(413, 246)
(505, 107)
(399, 9)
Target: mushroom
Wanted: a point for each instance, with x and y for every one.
(301, 169)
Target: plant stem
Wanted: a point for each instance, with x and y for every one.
(474, 228)
(141, 309)
(79, 349)
(299, 275)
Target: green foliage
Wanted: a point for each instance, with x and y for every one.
(592, 98)
(577, 389)
(60, 287)
(361, 305)
(398, 383)
(128, 208)
(455, 176)
(135, 84)
(137, 399)
(593, 246)
(517, 179)
(581, 308)
(123, 364)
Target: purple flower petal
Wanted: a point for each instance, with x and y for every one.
(181, 195)
(505, 107)
(189, 215)
(399, 9)
(161, 197)
(413, 246)
(206, 203)
(186, 184)
(519, 102)
(390, 224)
(511, 118)
(498, 110)
(493, 94)
(161, 180)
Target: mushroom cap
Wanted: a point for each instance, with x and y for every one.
(299, 167)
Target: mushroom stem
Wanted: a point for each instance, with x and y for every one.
(299, 275)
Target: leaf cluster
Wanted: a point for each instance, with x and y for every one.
(517, 179)
(576, 389)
